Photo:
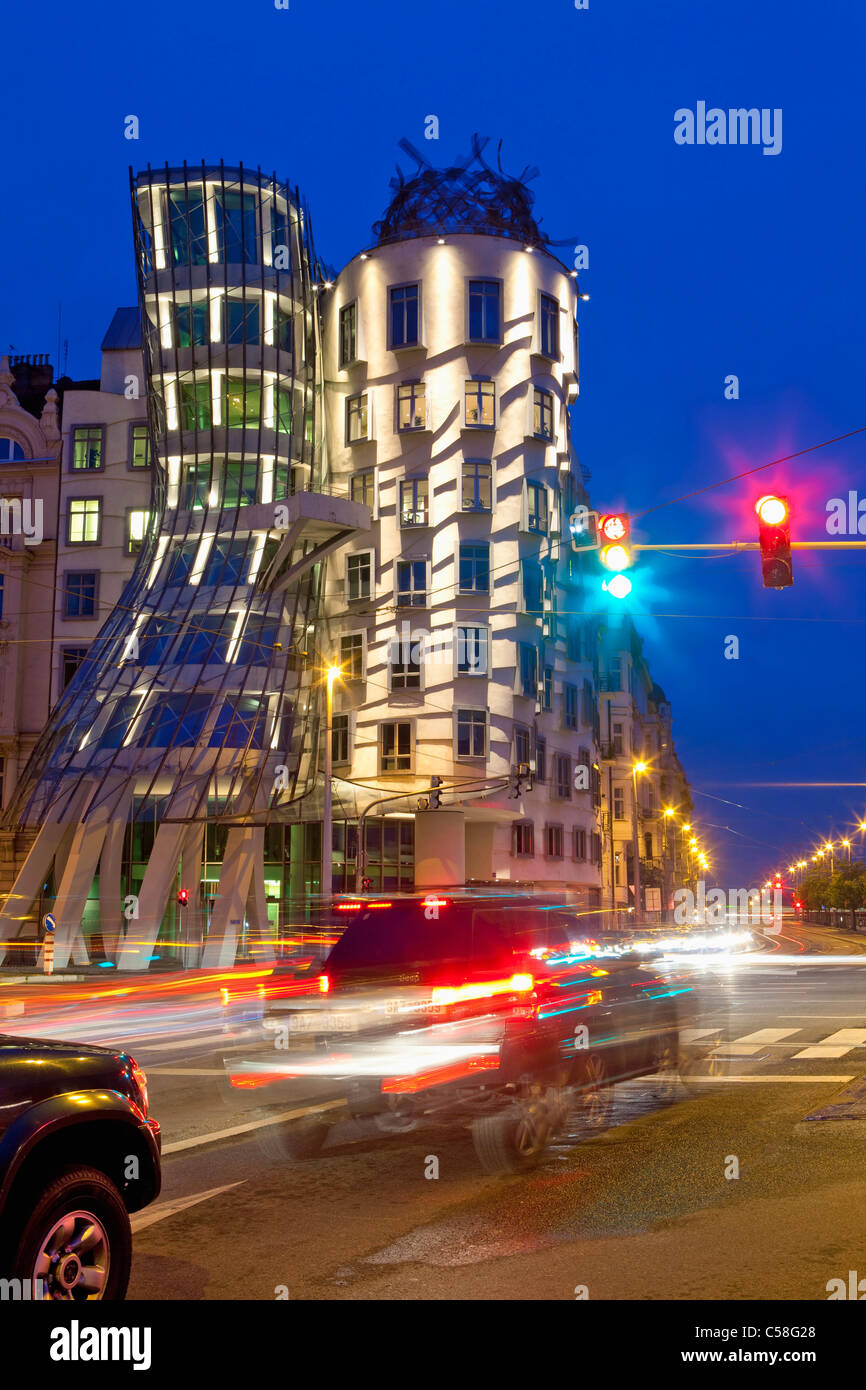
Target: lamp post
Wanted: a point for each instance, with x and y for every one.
(333, 673)
(666, 816)
(635, 769)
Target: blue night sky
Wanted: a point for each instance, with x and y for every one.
(704, 261)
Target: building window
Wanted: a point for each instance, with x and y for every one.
(404, 663)
(470, 740)
(188, 228)
(284, 411)
(533, 585)
(595, 840)
(541, 760)
(536, 507)
(180, 562)
(86, 448)
(348, 333)
(521, 744)
(523, 841)
(71, 659)
(362, 487)
(359, 574)
(553, 841)
(549, 326)
(411, 406)
(139, 447)
(528, 670)
(10, 451)
(542, 415)
(562, 776)
(192, 324)
(340, 738)
(573, 644)
(2, 586)
(484, 312)
(480, 404)
(579, 844)
(136, 529)
(241, 321)
(619, 803)
(474, 569)
(618, 741)
(569, 706)
(195, 405)
(242, 403)
(241, 483)
(411, 583)
(237, 227)
(196, 486)
(84, 524)
(472, 648)
(79, 593)
(395, 746)
(547, 688)
(648, 845)
(403, 301)
(477, 485)
(356, 418)
(226, 562)
(413, 502)
(352, 656)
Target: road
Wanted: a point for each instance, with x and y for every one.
(647, 1209)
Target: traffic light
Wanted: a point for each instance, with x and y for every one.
(183, 897)
(583, 526)
(616, 554)
(435, 800)
(774, 535)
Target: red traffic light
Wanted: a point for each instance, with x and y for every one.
(774, 536)
(183, 896)
(614, 527)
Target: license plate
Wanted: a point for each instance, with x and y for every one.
(321, 1022)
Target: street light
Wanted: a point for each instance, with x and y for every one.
(333, 673)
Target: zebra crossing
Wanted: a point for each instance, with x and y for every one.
(776, 1042)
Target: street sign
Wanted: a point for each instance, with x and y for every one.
(49, 923)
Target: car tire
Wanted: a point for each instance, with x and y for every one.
(77, 1238)
(592, 1095)
(513, 1140)
(298, 1141)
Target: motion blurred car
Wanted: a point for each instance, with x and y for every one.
(78, 1153)
(469, 1009)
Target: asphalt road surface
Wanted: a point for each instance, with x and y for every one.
(647, 1209)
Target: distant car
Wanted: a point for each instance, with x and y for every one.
(78, 1153)
(475, 1009)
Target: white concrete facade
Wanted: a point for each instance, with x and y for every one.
(416, 461)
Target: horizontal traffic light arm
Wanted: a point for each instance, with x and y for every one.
(749, 545)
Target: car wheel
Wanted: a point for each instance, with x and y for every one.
(665, 1063)
(592, 1104)
(76, 1245)
(513, 1140)
(296, 1141)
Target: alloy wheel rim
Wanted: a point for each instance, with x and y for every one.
(73, 1259)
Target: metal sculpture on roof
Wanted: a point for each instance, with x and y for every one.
(469, 196)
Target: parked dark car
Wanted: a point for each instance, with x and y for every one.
(78, 1153)
(481, 1009)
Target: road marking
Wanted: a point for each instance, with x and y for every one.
(185, 1071)
(836, 1045)
(803, 1080)
(216, 1134)
(767, 1035)
(690, 1035)
(142, 1219)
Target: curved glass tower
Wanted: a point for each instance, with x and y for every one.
(198, 702)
